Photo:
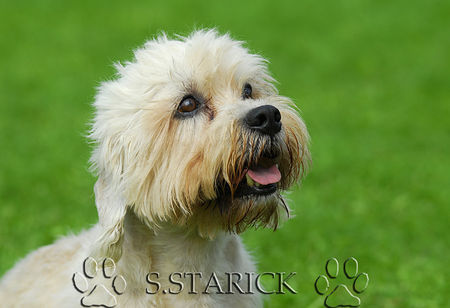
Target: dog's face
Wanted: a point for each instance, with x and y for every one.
(194, 132)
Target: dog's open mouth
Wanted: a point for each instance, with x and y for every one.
(261, 179)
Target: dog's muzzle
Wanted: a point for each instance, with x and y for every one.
(259, 173)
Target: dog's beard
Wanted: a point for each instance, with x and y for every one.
(238, 214)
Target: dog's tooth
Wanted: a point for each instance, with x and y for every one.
(250, 181)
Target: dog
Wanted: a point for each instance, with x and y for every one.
(192, 145)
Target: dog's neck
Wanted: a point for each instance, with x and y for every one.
(172, 249)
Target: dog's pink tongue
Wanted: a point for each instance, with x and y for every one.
(265, 176)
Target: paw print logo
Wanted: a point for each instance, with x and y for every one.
(99, 295)
(341, 296)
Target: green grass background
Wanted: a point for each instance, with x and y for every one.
(372, 79)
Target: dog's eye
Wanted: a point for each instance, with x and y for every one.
(188, 104)
(247, 91)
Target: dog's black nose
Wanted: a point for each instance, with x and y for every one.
(265, 119)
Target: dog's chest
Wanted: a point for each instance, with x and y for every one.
(184, 273)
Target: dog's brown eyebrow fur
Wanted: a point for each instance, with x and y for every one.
(210, 110)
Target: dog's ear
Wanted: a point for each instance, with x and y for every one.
(111, 208)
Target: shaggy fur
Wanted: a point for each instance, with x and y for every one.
(167, 185)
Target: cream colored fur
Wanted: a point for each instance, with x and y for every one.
(158, 176)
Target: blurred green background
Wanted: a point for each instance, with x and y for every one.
(372, 79)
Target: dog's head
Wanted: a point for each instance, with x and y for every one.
(194, 133)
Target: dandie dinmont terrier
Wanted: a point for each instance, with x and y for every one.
(193, 144)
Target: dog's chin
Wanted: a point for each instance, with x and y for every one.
(246, 190)
(256, 191)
